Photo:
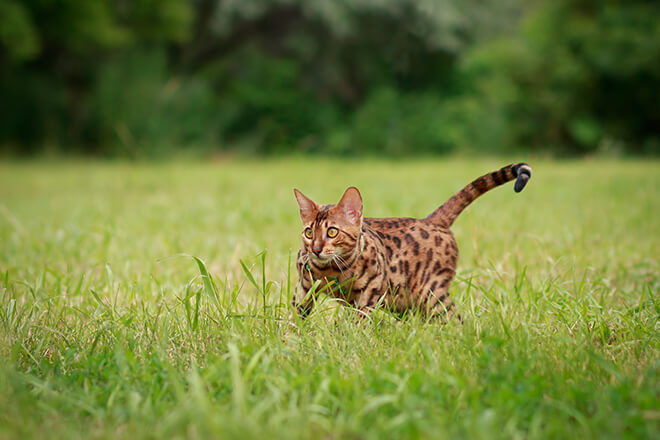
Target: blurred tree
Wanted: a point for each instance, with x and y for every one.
(17, 32)
(146, 77)
(582, 75)
(297, 72)
(53, 49)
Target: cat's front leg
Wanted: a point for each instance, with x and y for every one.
(363, 313)
(303, 302)
(369, 297)
(303, 297)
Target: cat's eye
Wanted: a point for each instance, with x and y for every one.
(309, 233)
(332, 232)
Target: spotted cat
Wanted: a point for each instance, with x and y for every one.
(398, 263)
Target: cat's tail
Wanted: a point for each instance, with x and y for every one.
(447, 213)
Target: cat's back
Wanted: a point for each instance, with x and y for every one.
(418, 236)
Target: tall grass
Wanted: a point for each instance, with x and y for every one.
(146, 301)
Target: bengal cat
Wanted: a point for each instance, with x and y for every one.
(398, 263)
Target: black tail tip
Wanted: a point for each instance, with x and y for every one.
(523, 173)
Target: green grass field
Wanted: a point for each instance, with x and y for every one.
(106, 331)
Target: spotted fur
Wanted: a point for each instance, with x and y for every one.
(399, 263)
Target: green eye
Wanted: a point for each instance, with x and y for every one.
(332, 232)
(309, 233)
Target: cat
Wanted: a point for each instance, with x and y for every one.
(402, 264)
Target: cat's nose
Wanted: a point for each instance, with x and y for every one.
(317, 250)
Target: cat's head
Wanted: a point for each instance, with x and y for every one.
(331, 231)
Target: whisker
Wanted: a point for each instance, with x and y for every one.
(341, 262)
(336, 261)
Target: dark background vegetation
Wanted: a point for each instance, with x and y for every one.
(152, 78)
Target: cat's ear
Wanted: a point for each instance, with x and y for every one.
(308, 209)
(351, 205)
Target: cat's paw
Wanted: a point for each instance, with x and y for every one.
(286, 326)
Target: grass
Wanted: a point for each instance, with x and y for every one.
(107, 330)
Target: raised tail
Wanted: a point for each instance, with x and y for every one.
(447, 213)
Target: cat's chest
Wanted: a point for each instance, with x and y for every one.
(333, 275)
(340, 284)
(351, 279)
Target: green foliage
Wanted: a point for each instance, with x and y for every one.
(280, 115)
(581, 76)
(144, 112)
(392, 123)
(17, 32)
(56, 50)
(343, 77)
(108, 331)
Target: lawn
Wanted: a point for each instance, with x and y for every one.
(109, 330)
